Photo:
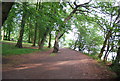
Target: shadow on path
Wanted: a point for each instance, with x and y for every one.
(67, 64)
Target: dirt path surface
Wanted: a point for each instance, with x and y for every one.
(67, 64)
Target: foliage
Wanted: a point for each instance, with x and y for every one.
(93, 22)
(116, 69)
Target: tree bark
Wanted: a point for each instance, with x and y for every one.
(29, 33)
(49, 43)
(79, 47)
(19, 42)
(6, 7)
(29, 36)
(104, 44)
(106, 53)
(9, 35)
(56, 45)
(43, 39)
(35, 35)
(117, 60)
(39, 38)
(42, 42)
(3, 35)
(75, 44)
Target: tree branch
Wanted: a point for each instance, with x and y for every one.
(70, 5)
(84, 3)
(83, 11)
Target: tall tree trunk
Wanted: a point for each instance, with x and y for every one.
(6, 7)
(42, 42)
(43, 39)
(3, 35)
(29, 36)
(59, 35)
(75, 44)
(106, 53)
(39, 37)
(9, 35)
(117, 60)
(35, 35)
(104, 44)
(0, 20)
(56, 46)
(19, 42)
(29, 33)
(49, 43)
(79, 47)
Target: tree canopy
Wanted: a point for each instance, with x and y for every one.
(96, 25)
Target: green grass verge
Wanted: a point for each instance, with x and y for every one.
(115, 69)
(14, 42)
(9, 49)
(95, 57)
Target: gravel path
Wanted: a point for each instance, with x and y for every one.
(67, 64)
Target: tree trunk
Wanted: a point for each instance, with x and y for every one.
(43, 39)
(29, 36)
(42, 42)
(79, 47)
(9, 35)
(117, 60)
(39, 38)
(3, 35)
(56, 45)
(104, 44)
(0, 21)
(75, 44)
(106, 53)
(35, 35)
(49, 43)
(19, 42)
(6, 7)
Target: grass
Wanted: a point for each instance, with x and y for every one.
(115, 69)
(14, 42)
(96, 58)
(8, 49)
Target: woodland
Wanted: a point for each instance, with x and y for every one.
(91, 27)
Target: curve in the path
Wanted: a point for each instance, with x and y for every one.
(67, 64)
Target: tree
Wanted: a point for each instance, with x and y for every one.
(75, 9)
(110, 32)
(19, 42)
(6, 7)
(50, 37)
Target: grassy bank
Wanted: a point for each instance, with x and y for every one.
(8, 48)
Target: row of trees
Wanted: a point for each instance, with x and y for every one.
(102, 18)
(97, 24)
